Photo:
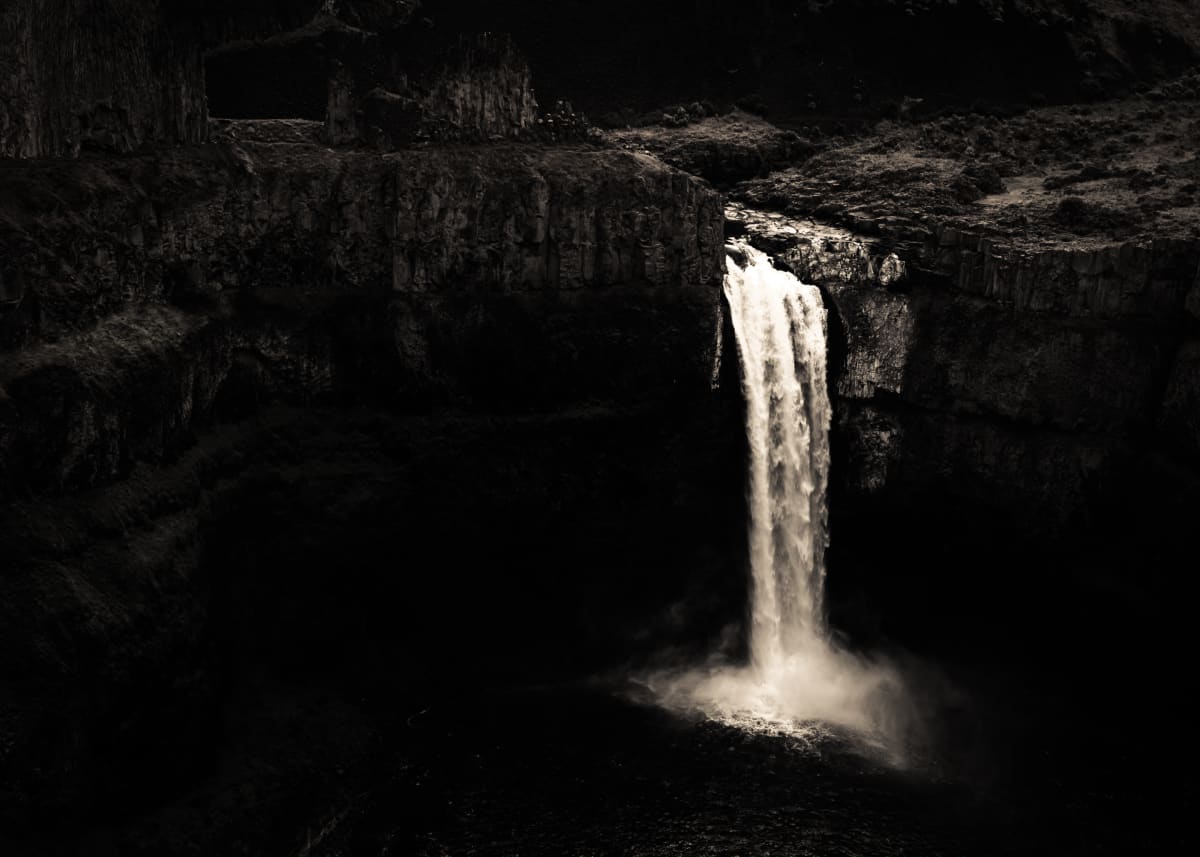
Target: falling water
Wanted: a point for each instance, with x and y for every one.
(780, 327)
(798, 680)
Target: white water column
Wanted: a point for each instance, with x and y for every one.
(780, 326)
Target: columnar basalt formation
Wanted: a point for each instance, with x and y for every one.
(1148, 278)
(242, 360)
(113, 76)
(1024, 383)
(484, 90)
(1026, 369)
(430, 244)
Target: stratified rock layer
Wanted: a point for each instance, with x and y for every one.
(565, 275)
(1028, 386)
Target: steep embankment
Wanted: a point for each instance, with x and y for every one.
(256, 250)
(269, 408)
(487, 356)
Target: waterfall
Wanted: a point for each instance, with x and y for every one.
(780, 326)
(798, 680)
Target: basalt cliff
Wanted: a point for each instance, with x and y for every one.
(328, 341)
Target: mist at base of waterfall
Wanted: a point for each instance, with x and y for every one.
(817, 693)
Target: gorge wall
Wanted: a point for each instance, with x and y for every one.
(191, 237)
(534, 328)
(999, 407)
(302, 391)
(111, 76)
(258, 396)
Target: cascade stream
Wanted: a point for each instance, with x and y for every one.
(780, 328)
(798, 681)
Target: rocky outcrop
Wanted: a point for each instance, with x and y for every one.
(1088, 178)
(479, 88)
(113, 76)
(484, 91)
(816, 252)
(435, 253)
(1136, 279)
(723, 149)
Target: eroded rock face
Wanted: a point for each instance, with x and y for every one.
(487, 314)
(188, 224)
(478, 88)
(1016, 297)
(112, 76)
(485, 91)
(1119, 280)
(1024, 384)
(526, 276)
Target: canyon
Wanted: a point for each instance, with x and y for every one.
(386, 369)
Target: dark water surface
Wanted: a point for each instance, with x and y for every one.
(579, 770)
(1017, 760)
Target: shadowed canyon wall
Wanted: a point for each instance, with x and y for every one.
(998, 407)
(112, 76)
(189, 238)
(262, 400)
(533, 328)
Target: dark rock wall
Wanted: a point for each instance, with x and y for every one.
(230, 371)
(1180, 414)
(1150, 279)
(528, 276)
(485, 91)
(482, 358)
(104, 74)
(1000, 409)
